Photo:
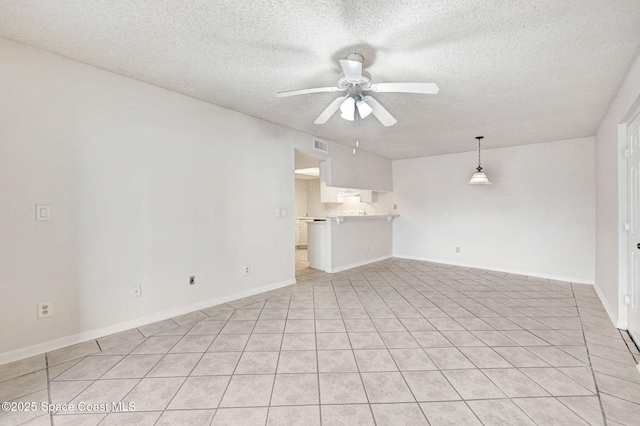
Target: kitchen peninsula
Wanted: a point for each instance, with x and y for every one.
(346, 241)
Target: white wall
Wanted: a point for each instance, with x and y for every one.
(314, 207)
(147, 187)
(537, 218)
(611, 278)
(301, 198)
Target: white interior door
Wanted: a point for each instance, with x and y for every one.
(633, 240)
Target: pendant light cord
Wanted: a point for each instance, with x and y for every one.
(479, 168)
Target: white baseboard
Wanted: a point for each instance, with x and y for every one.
(507, 271)
(63, 342)
(355, 265)
(623, 325)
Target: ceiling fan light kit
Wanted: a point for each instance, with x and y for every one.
(348, 108)
(363, 108)
(355, 81)
(479, 177)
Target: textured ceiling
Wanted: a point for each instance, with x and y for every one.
(515, 71)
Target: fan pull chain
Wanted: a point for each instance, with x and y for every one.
(357, 132)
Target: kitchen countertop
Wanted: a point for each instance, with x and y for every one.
(364, 216)
(341, 218)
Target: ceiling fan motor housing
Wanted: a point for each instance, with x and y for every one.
(355, 57)
(363, 84)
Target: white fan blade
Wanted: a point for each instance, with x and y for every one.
(352, 69)
(306, 91)
(380, 112)
(423, 88)
(330, 110)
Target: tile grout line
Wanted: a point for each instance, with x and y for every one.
(364, 388)
(275, 374)
(595, 382)
(49, 399)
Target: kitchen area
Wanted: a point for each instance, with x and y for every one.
(339, 228)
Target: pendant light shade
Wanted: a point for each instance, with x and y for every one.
(348, 108)
(363, 108)
(479, 177)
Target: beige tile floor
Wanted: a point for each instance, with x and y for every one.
(397, 342)
(302, 260)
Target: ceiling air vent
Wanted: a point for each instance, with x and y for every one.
(320, 145)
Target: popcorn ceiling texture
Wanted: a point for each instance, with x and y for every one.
(516, 71)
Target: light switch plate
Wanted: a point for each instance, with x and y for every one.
(43, 212)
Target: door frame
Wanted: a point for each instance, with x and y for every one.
(623, 205)
(624, 308)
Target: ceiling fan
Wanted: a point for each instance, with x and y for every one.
(356, 82)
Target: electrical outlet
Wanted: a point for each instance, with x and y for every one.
(136, 291)
(457, 249)
(192, 280)
(247, 270)
(395, 207)
(45, 310)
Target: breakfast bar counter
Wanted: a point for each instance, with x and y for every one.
(346, 241)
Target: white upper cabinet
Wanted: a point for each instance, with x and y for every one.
(366, 196)
(328, 194)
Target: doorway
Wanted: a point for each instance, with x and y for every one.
(307, 204)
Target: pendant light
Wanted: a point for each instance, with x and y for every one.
(479, 177)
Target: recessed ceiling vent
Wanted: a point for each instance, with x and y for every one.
(320, 145)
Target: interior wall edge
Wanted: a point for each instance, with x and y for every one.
(611, 195)
(623, 325)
